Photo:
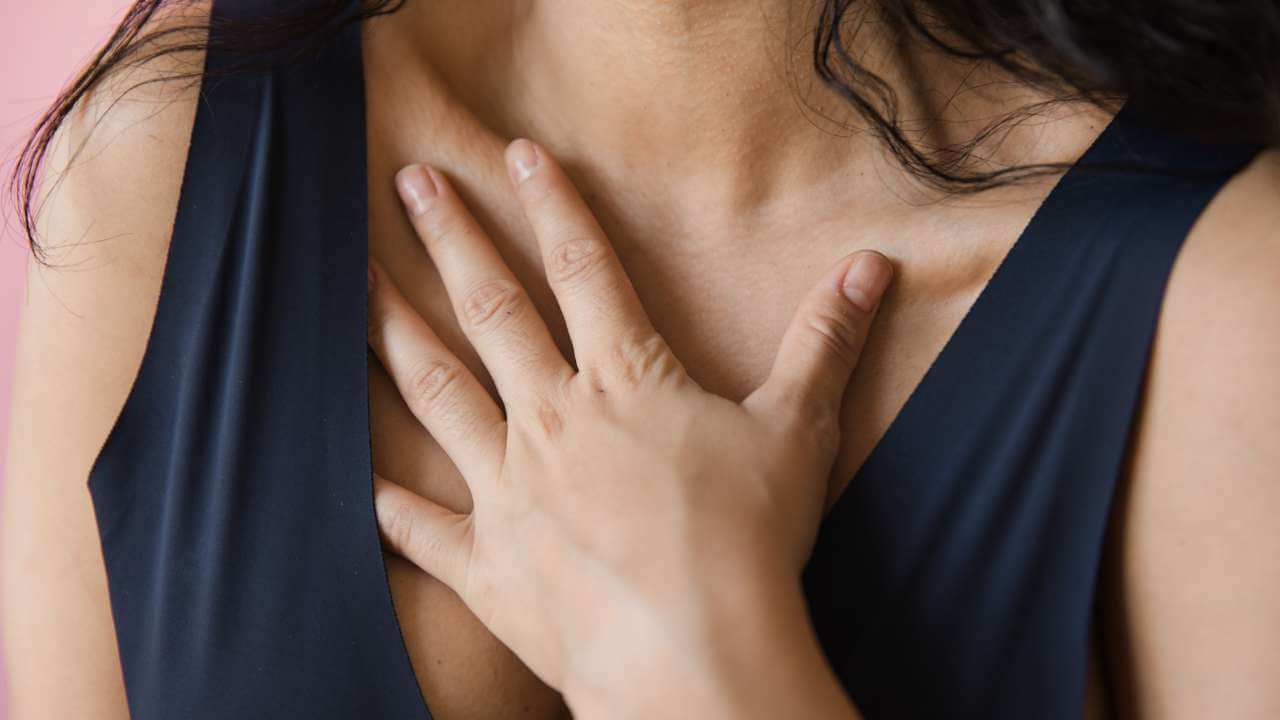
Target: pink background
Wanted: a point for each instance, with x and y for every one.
(42, 44)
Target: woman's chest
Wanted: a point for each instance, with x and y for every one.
(721, 294)
(722, 309)
(724, 318)
(722, 299)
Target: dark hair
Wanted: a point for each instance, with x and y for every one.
(1208, 69)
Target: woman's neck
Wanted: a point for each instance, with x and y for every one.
(705, 92)
(705, 103)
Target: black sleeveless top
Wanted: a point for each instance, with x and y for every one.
(954, 578)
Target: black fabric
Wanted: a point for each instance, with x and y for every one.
(234, 494)
(954, 578)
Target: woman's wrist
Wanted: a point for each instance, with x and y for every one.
(755, 657)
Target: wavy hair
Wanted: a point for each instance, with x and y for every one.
(1208, 69)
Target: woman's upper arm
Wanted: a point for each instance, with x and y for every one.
(105, 221)
(1192, 609)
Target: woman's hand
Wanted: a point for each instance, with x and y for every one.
(627, 525)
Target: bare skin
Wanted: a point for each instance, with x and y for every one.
(592, 529)
(723, 219)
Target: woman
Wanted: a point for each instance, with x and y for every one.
(644, 512)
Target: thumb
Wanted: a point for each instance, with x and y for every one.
(822, 345)
(426, 534)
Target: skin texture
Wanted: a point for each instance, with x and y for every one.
(721, 240)
(1195, 559)
(591, 528)
(81, 336)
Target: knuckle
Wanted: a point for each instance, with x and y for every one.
(437, 228)
(537, 191)
(824, 432)
(400, 526)
(407, 532)
(431, 380)
(575, 260)
(549, 418)
(809, 413)
(836, 332)
(379, 319)
(492, 303)
(593, 380)
(647, 358)
(794, 401)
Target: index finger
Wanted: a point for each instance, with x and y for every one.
(599, 303)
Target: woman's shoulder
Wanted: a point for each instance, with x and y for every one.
(1217, 342)
(109, 183)
(1196, 548)
(105, 208)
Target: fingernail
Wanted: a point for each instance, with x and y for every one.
(866, 280)
(417, 189)
(522, 158)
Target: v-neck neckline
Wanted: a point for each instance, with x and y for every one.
(988, 296)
